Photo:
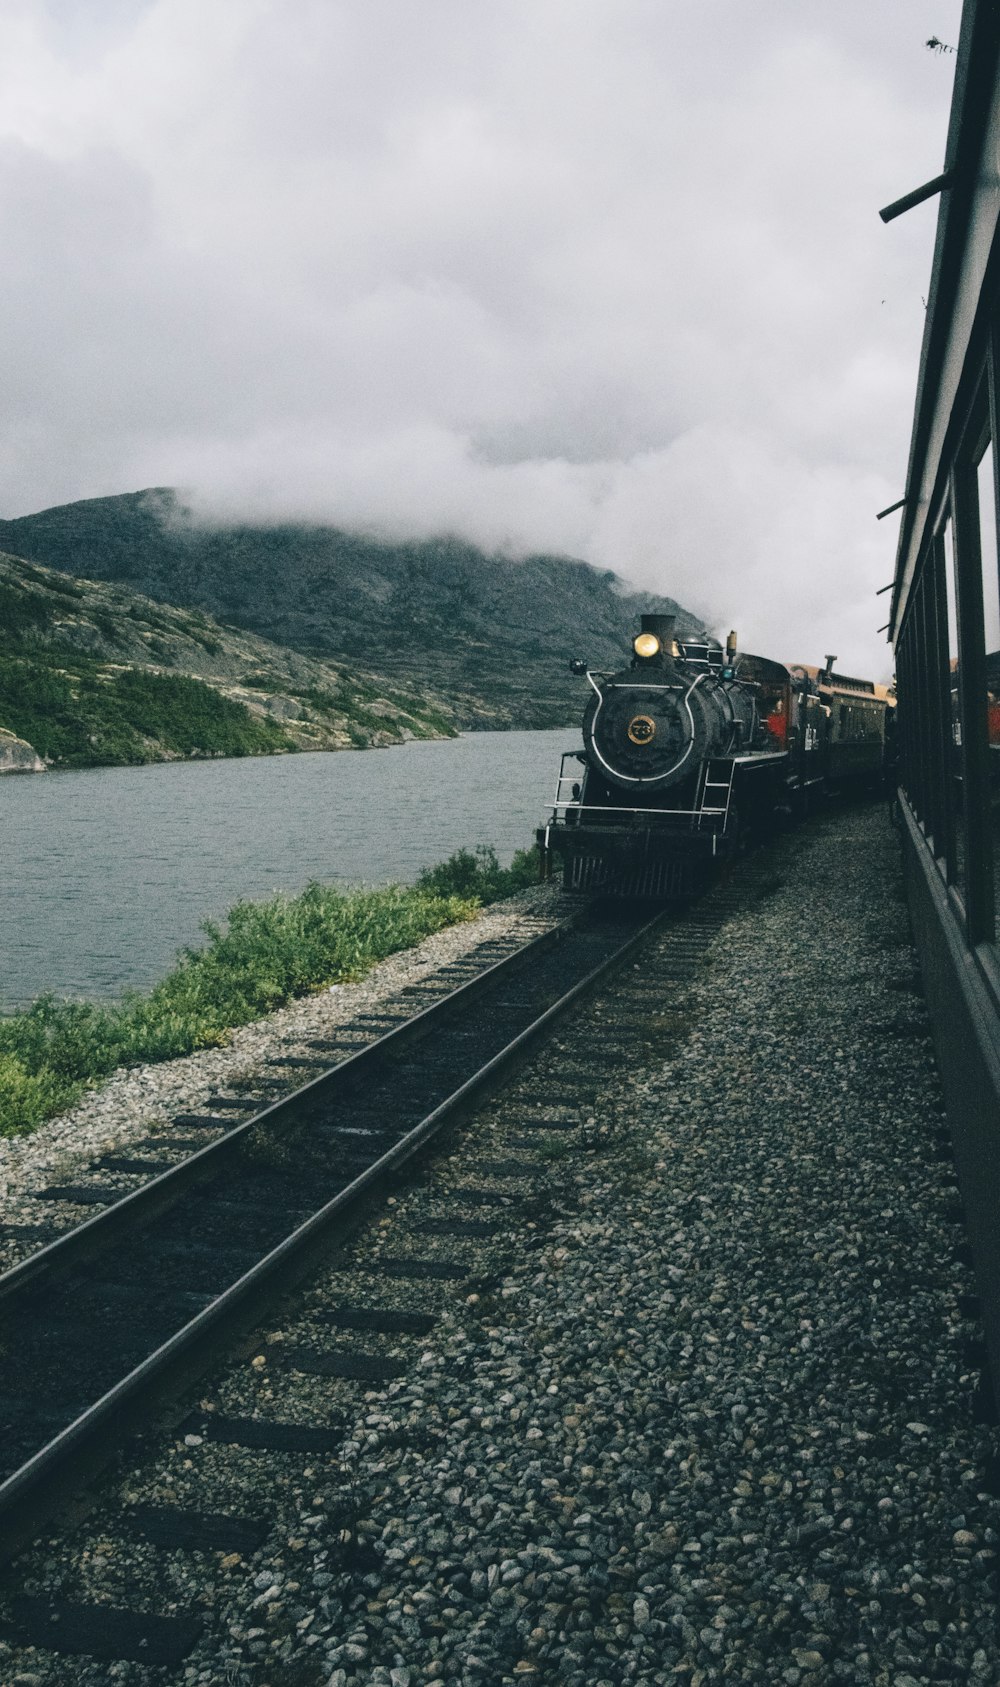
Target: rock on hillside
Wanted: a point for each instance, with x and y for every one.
(92, 673)
(18, 757)
(437, 613)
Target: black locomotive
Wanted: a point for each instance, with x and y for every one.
(690, 748)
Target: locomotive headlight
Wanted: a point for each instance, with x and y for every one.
(646, 644)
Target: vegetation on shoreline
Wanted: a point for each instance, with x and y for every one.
(477, 874)
(264, 954)
(93, 675)
(93, 718)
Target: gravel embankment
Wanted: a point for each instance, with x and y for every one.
(721, 1428)
(718, 1426)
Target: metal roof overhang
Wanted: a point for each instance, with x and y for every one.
(958, 305)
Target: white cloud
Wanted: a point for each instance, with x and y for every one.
(598, 276)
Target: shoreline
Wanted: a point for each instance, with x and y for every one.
(134, 1098)
(403, 741)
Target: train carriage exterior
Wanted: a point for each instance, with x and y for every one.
(945, 627)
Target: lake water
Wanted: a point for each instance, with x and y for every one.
(108, 872)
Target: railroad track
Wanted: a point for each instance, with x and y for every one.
(296, 1055)
(164, 1563)
(142, 1297)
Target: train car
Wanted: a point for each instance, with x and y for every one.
(692, 748)
(944, 624)
(844, 727)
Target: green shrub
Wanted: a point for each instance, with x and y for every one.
(37, 703)
(263, 955)
(186, 715)
(21, 611)
(74, 1041)
(28, 1099)
(271, 951)
(478, 873)
(91, 717)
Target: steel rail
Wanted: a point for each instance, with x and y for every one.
(40, 1487)
(88, 1239)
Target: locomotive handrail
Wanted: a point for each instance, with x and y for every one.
(574, 805)
(610, 808)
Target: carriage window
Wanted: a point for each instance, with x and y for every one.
(991, 632)
(911, 711)
(991, 579)
(955, 784)
(922, 728)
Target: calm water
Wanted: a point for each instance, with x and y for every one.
(107, 873)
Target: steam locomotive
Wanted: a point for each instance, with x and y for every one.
(691, 748)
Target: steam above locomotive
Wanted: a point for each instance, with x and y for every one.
(691, 747)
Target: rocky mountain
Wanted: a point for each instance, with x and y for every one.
(491, 635)
(93, 674)
(17, 755)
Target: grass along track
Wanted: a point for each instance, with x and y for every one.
(265, 955)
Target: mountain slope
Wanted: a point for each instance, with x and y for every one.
(95, 674)
(437, 613)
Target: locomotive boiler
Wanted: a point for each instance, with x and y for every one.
(650, 727)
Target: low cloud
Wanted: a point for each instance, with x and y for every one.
(598, 277)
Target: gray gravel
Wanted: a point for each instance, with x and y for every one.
(715, 1420)
(721, 1428)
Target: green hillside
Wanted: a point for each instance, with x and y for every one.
(490, 634)
(97, 675)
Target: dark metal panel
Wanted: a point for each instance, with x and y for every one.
(921, 712)
(979, 872)
(937, 680)
(963, 1013)
(958, 301)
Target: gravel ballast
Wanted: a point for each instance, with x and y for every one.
(715, 1420)
(722, 1429)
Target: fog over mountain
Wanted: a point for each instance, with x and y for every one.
(597, 278)
(489, 636)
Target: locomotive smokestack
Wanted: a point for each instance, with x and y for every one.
(828, 670)
(731, 647)
(662, 627)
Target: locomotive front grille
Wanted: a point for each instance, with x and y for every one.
(593, 873)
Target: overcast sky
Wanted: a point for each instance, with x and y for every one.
(600, 277)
